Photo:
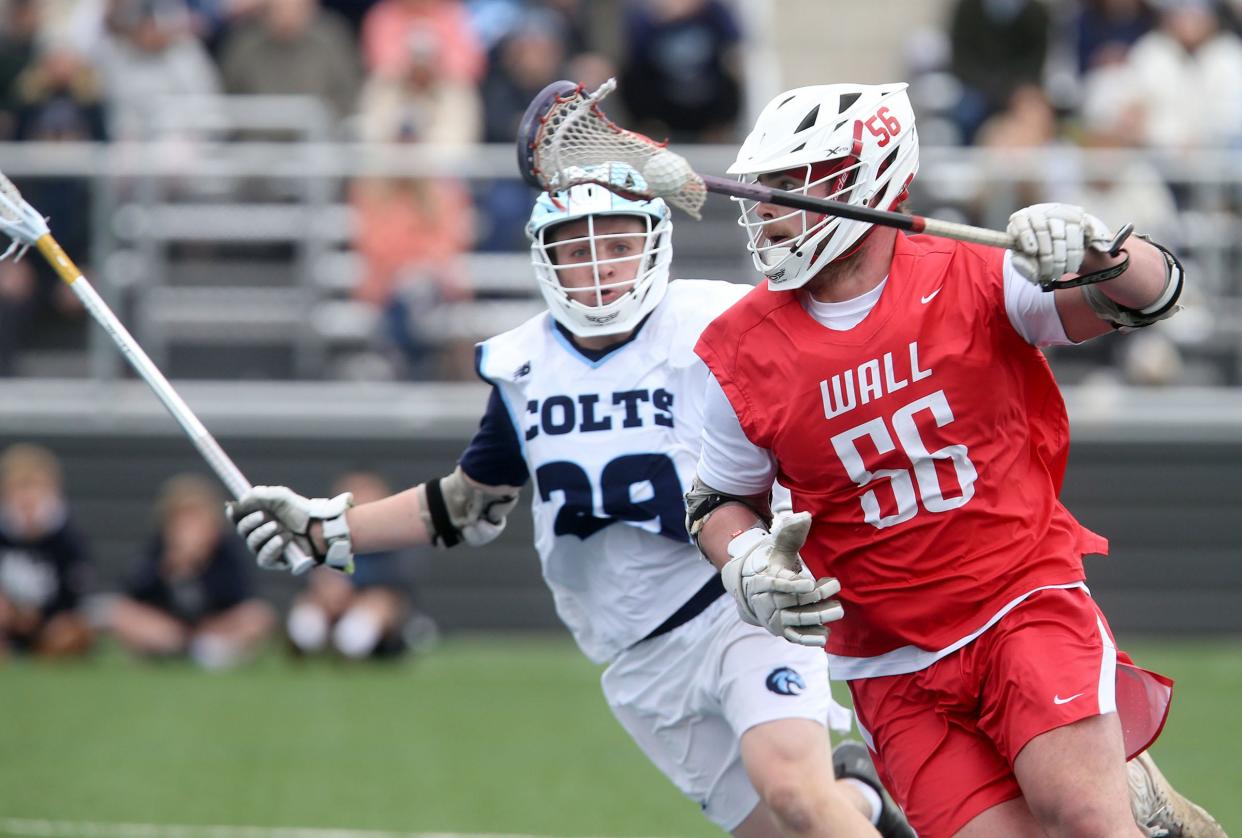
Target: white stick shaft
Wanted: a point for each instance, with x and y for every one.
(220, 462)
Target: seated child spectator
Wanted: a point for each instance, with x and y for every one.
(190, 591)
(43, 559)
(363, 615)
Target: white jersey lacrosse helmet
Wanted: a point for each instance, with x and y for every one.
(857, 138)
(591, 201)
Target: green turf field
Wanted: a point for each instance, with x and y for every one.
(479, 736)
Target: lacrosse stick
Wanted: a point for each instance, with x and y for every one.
(563, 131)
(28, 228)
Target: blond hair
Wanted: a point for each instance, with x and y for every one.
(25, 461)
(188, 491)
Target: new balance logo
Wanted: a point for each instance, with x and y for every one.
(930, 296)
(1056, 699)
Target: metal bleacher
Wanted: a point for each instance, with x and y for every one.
(224, 241)
(242, 261)
(227, 259)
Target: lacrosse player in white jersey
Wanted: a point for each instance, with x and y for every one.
(599, 400)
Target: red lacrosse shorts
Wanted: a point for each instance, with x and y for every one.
(944, 738)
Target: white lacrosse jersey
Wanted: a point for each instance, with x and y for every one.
(611, 443)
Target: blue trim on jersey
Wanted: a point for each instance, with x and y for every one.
(592, 358)
(479, 350)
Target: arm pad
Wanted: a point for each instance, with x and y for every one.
(456, 509)
(702, 500)
(1165, 305)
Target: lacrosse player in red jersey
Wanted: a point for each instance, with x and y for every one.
(599, 400)
(895, 385)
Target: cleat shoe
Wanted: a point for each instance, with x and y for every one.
(1160, 810)
(852, 759)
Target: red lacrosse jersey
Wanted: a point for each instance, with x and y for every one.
(928, 442)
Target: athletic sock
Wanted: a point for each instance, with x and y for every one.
(870, 795)
(357, 634)
(308, 627)
(212, 651)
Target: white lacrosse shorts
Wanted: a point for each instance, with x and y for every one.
(687, 697)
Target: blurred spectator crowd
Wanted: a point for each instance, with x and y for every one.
(440, 72)
(188, 593)
(1156, 78)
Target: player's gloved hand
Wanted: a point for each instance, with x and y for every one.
(269, 517)
(1052, 240)
(773, 588)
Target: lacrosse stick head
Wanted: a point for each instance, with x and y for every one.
(18, 220)
(564, 136)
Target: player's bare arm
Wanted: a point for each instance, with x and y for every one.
(387, 524)
(450, 510)
(445, 512)
(720, 526)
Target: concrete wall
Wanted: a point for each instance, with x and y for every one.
(1171, 511)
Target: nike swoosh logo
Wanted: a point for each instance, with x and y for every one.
(1056, 699)
(931, 296)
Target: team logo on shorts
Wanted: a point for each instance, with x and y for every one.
(785, 681)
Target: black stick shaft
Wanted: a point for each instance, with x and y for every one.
(826, 206)
(794, 200)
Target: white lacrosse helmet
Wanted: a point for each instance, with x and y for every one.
(857, 138)
(592, 201)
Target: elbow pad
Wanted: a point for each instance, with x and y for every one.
(456, 509)
(702, 500)
(1164, 307)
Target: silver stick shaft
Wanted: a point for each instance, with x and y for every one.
(220, 462)
(968, 233)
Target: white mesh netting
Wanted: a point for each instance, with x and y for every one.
(18, 220)
(576, 134)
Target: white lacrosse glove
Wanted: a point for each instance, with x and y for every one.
(269, 517)
(1052, 240)
(774, 590)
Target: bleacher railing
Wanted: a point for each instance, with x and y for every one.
(132, 222)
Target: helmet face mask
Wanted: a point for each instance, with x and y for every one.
(851, 143)
(837, 181)
(597, 259)
(601, 260)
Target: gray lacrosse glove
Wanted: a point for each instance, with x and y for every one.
(773, 589)
(1052, 240)
(269, 517)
